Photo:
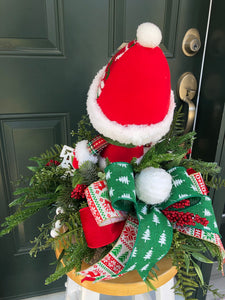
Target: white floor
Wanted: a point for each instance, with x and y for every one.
(218, 281)
(61, 296)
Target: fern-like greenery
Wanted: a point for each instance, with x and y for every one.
(185, 252)
(50, 187)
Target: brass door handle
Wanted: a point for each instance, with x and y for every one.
(186, 89)
(191, 114)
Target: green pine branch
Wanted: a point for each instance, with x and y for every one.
(50, 154)
(72, 259)
(167, 153)
(206, 168)
(85, 130)
(177, 126)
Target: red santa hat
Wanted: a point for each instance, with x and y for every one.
(130, 100)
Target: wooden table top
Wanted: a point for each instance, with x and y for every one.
(129, 284)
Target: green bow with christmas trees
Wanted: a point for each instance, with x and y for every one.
(186, 206)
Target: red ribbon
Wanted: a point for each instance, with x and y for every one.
(95, 235)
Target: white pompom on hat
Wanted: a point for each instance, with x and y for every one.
(149, 35)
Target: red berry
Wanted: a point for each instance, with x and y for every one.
(78, 191)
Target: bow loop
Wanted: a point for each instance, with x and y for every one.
(182, 188)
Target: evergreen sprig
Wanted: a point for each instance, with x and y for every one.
(85, 130)
(86, 174)
(177, 125)
(206, 168)
(167, 153)
(50, 154)
(185, 252)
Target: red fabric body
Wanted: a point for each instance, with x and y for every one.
(95, 235)
(118, 153)
(75, 163)
(137, 90)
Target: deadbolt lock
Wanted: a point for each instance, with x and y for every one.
(191, 43)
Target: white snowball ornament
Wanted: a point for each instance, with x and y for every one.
(149, 35)
(54, 233)
(153, 185)
(59, 210)
(58, 224)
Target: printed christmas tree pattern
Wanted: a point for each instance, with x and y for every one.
(150, 234)
(123, 179)
(108, 175)
(148, 254)
(182, 187)
(146, 235)
(120, 181)
(162, 239)
(155, 219)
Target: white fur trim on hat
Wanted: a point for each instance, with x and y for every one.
(135, 134)
(82, 153)
(149, 35)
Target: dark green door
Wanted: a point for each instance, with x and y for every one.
(49, 52)
(210, 125)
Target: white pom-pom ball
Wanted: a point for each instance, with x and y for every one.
(149, 35)
(54, 233)
(153, 185)
(58, 224)
(59, 210)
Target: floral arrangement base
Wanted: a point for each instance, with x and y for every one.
(128, 285)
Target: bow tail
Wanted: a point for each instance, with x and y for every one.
(210, 232)
(153, 241)
(112, 264)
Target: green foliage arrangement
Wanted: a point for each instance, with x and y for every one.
(50, 186)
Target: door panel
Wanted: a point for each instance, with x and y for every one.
(24, 137)
(50, 51)
(34, 28)
(128, 15)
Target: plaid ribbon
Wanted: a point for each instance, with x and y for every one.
(97, 144)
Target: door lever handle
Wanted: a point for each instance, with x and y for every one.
(186, 89)
(191, 114)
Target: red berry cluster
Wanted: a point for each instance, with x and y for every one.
(200, 220)
(184, 218)
(78, 192)
(181, 204)
(52, 162)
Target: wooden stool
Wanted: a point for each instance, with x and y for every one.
(129, 284)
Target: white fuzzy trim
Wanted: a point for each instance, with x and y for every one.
(102, 163)
(149, 35)
(82, 153)
(136, 134)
